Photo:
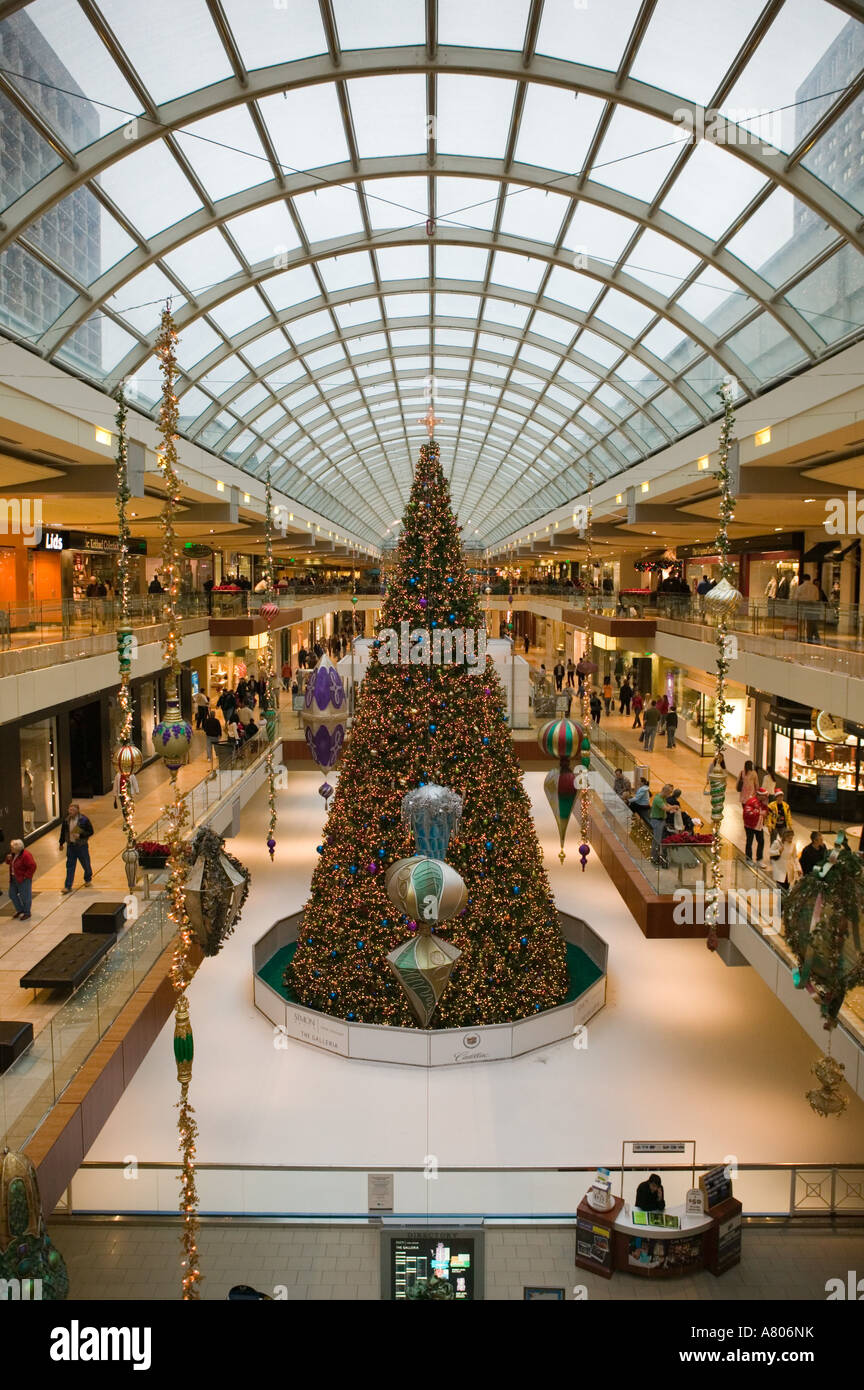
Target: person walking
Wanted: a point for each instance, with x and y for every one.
(558, 673)
(302, 657)
(122, 783)
(227, 702)
(571, 672)
(663, 709)
(75, 833)
(625, 695)
(785, 869)
(608, 693)
(671, 726)
(213, 734)
(22, 867)
(638, 702)
(748, 782)
(650, 719)
(753, 812)
(596, 707)
(657, 817)
(154, 587)
(202, 705)
(807, 594)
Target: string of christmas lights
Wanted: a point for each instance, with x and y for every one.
(270, 670)
(722, 708)
(585, 794)
(124, 631)
(182, 966)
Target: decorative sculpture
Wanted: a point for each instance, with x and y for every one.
(433, 814)
(216, 889)
(26, 1251)
(422, 966)
(426, 890)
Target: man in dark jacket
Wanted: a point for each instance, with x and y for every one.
(814, 853)
(75, 832)
(649, 1195)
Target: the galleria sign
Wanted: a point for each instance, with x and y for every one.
(421, 646)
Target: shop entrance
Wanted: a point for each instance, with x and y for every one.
(85, 750)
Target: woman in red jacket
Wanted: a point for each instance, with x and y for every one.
(22, 867)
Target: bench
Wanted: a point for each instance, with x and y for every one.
(67, 965)
(15, 1038)
(104, 917)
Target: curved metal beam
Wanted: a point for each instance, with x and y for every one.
(637, 210)
(473, 62)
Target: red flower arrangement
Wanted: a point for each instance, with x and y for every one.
(152, 848)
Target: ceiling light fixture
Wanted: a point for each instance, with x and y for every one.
(703, 464)
(220, 487)
(645, 487)
(103, 436)
(762, 437)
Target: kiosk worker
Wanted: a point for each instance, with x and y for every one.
(649, 1195)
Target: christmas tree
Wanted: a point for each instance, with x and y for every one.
(421, 722)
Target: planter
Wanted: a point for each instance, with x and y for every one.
(153, 861)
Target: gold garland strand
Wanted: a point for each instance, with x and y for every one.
(585, 795)
(270, 671)
(124, 631)
(182, 967)
(725, 608)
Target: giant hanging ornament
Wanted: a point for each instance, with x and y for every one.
(828, 1099)
(172, 736)
(584, 667)
(128, 759)
(26, 1251)
(723, 599)
(561, 738)
(426, 890)
(560, 788)
(717, 792)
(422, 966)
(216, 890)
(325, 714)
(433, 813)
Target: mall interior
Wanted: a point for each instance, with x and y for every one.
(432, 650)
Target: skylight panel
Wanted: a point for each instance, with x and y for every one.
(474, 115)
(264, 234)
(389, 114)
(239, 312)
(396, 202)
(329, 212)
(225, 152)
(292, 287)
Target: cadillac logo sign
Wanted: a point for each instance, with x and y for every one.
(471, 1040)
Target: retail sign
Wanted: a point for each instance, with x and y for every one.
(826, 788)
(380, 1186)
(659, 1146)
(53, 540)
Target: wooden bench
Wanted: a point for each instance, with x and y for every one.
(67, 965)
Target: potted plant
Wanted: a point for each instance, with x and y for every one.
(152, 854)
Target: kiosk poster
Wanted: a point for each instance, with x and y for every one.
(729, 1241)
(594, 1243)
(717, 1186)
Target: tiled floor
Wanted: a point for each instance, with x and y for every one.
(141, 1261)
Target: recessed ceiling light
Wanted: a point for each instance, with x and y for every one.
(220, 487)
(703, 464)
(778, 528)
(809, 499)
(645, 487)
(762, 437)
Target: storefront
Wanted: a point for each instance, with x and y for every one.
(66, 563)
(761, 567)
(695, 695)
(39, 768)
(818, 759)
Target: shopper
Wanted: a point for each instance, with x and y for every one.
(638, 702)
(75, 833)
(642, 799)
(202, 705)
(779, 815)
(704, 586)
(154, 587)
(662, 709)
(620, 782)
(244, 715)
(22, 867)
(657, 817)
(122, 783)
(625, 695)
(649, 1194)
(596, 707)
(227, 702)
(650, 719)
(671, 726)
(785, 869)
(213, 734)
(608, 693)
(807, 597)
(753, 812)
(813, 853)
(558, 673)
(526, 642)
(747, 783)
(571, 672)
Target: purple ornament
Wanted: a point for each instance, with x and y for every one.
(325, 693)
(423, 602)
(584, 851)
(373, 867)
(325, 743)
(325, 790)
(271, 845)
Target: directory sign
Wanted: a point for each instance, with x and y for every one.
(432, 1265)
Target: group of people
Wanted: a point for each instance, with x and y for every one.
(662, 812)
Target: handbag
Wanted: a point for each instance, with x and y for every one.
(642, 736)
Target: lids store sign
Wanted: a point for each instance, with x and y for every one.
(81, 540)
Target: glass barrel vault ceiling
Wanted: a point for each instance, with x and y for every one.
(494, 207)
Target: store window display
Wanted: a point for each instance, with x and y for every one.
(38, 775)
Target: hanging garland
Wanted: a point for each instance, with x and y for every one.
(171, 740)
(722, 600)
(269, 609)
(585, 795)
(127, 757)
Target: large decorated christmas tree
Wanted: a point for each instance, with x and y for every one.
(420, 722)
